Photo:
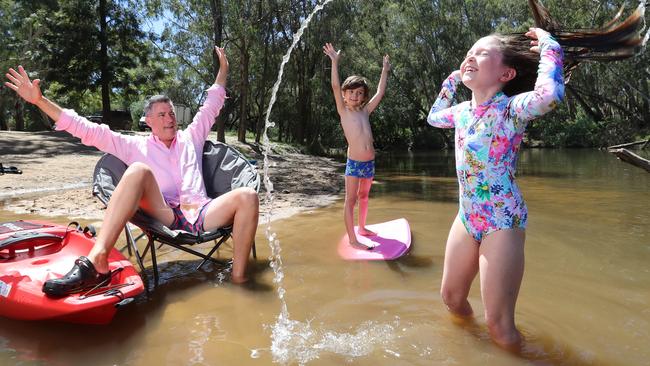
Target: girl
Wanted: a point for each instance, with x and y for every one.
(488, 234)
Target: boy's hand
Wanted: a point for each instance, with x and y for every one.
(333, 54)
(222, 76)
(386, 66)
(20, 83)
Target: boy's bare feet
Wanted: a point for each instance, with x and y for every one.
(366, 232)
(363, 246)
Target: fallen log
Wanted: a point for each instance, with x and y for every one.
(644, 142)
(631, 158)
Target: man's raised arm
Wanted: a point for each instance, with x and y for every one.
(30, 91)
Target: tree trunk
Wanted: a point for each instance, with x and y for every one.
(217, 29)
(105, 77)
(20, 117)
(243, 107)
(3, 122)
(594, 113)
(261, 120)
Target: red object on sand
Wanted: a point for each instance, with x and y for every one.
(32, 252)
(392, 241)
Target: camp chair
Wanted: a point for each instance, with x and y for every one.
(224, 169)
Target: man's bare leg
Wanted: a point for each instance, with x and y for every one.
(239, 208)
(137, 188)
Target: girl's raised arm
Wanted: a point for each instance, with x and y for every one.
(441, 115)
(549, 87)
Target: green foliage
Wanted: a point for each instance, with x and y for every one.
(166, 47)
(137, 110)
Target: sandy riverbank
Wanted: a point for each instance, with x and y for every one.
(57, 174)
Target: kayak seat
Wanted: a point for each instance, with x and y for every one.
(224, 169)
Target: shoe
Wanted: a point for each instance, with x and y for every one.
(83, 276)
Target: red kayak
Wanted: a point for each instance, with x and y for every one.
(32, 252)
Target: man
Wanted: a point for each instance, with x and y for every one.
(163, 178)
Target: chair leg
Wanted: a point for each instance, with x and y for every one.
(209, 255)
(132, 246)
(129, 239)
(142, 235)
(154, 263)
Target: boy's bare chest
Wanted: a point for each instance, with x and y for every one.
(355, 120)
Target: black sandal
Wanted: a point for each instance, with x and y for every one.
(82, 276)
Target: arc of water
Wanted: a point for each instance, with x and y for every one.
(274, 243)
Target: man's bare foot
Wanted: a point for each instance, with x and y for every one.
(358, 245)
(238, 280)
(365, 232)
(100, 262)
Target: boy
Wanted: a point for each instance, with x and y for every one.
(354, 109)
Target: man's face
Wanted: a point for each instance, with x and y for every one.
(162, 121)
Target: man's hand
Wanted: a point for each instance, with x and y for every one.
(20, 83)
(222, 76)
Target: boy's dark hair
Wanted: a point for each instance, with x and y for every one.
(614, 41)
(353, 82)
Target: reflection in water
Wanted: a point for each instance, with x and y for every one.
(584, 299)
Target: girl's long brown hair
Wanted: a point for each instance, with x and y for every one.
(615, 40)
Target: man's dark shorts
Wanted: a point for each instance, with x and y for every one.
(181, 223)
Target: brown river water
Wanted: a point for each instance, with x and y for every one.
(585, 298)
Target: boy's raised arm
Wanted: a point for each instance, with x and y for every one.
(381, 88)
(334, 55)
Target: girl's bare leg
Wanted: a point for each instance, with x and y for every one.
(501, 265)
(460, 269)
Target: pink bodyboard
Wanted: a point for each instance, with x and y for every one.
(392, 241)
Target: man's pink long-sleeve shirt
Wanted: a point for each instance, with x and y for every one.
(178, 169)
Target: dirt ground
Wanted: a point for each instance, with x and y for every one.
(57, 174)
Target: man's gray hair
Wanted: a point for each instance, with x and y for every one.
(148, 104)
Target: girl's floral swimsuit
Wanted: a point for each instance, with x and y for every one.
(488, 140)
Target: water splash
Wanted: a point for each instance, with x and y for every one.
(294, 341)
(298, 342)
